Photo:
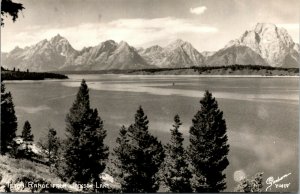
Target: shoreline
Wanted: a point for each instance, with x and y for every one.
(152, 76)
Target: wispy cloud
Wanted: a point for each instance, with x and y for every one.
(138, 32)
(198, 10)
(33, 110)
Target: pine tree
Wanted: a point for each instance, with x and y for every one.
(85, 152)
(28, 139)
(138, 157)
(176, 174)
(253, 185)
(26, 133)
(8, 120)
(120, 156)
(208, 148)
(50, 146)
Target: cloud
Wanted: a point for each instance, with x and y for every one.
(289, 26)
(33, 110)
(137, 32)
(198, 10)
(141, 31)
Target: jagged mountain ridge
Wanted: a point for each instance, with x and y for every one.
(265, 44)
(107, 55)
(58, 54)
(177, 54)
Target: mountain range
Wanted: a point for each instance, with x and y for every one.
(265, 44)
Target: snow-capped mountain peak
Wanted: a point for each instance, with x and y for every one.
(273, 44)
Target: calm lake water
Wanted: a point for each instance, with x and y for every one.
(261, 113)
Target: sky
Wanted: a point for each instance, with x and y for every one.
(207, 24)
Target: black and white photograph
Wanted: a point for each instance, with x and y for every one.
(149, 96)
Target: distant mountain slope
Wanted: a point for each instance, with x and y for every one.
(273, 44)
(153, 55)
(177, 54)
(207, 54)
(241, 55)
(3, 58)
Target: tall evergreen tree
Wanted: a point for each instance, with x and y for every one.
(138, 157)
(8, 120)
(208, 148)
(50, 146)
(85, 152)
(176, 174)
(120, 156)
(26, 133)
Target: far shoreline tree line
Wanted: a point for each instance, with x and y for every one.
(141, 163)
(14, 74)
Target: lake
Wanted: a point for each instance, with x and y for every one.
(261, 113)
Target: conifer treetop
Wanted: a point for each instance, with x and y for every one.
(141, 119)
(176, 175)
(26, 133)
(138, 157)
(82, 97)
(208, 148)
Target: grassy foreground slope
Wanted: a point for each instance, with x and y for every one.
(19, 175)
(16, 172)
